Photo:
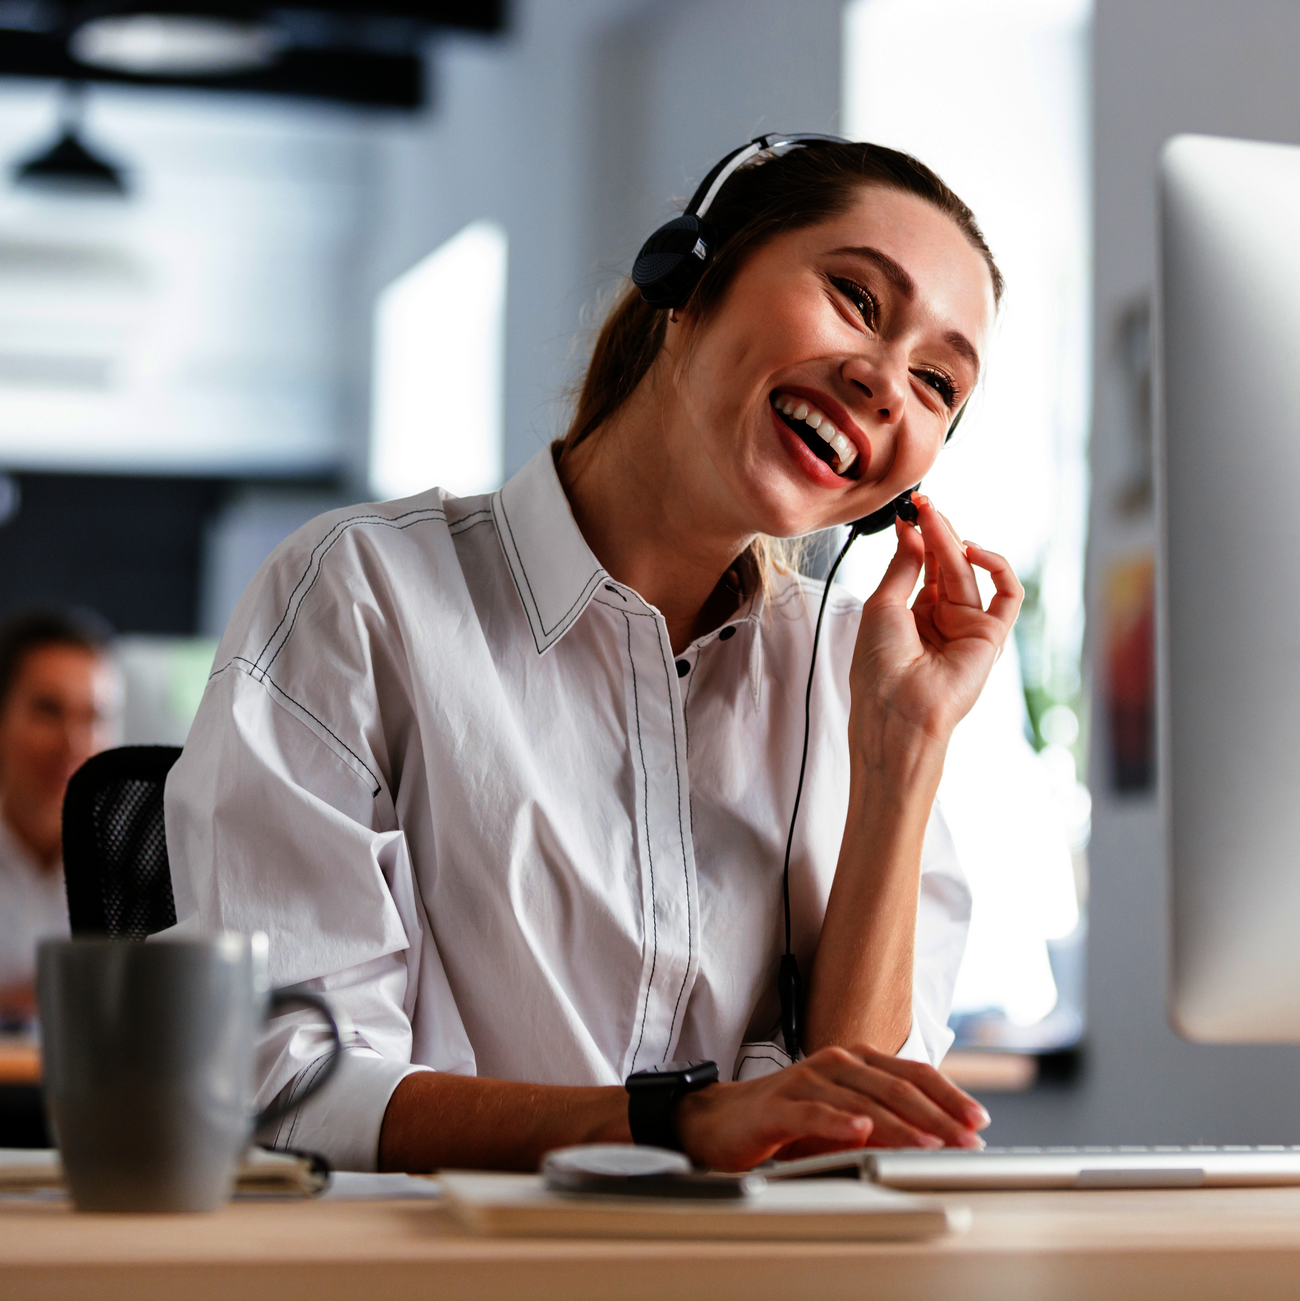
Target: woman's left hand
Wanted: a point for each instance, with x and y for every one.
(917, 671)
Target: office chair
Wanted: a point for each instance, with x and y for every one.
(115, 846)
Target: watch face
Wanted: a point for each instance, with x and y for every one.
(693, 1072)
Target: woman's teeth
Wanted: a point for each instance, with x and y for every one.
(799, 409)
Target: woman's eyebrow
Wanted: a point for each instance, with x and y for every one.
(906, 286)
(960, 344)
(895, 273)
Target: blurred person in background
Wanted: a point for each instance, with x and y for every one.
(59, 702)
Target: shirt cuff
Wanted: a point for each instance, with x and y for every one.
(342, 1121)
(915, 1050)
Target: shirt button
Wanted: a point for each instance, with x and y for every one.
(727, 633)
(683, 668)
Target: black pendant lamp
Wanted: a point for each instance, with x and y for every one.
(67, 166)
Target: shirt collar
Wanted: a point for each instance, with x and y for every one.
(554, 569)
(556, 573)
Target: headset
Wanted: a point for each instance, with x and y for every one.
(666, 270)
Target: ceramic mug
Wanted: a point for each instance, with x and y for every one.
(148, 1054)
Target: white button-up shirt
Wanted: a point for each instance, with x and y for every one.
(455, 772)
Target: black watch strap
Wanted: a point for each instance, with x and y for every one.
(652, 1096)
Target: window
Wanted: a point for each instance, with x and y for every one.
(994, 95)
(438, 377)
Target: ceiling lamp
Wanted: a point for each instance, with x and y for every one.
(176, 45)
(67, 166)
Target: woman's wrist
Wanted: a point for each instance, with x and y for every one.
(694, 1116)
(895, 756)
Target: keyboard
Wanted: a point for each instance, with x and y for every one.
(959, 1169)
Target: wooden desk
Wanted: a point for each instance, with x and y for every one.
(1189, 1244)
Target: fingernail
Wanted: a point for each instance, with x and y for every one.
(968, 543)
(929, 1140)
(982, 1117)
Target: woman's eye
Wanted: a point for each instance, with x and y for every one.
(941, 384)
(861, 297)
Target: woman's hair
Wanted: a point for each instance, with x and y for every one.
(766, 198)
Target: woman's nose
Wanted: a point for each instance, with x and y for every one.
(882, 384)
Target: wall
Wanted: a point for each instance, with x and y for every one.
(1160, 67)
(593, 115)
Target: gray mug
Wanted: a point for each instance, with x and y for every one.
(148, 1055)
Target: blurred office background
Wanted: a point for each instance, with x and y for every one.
(340, 252)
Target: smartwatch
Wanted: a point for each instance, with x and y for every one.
(653, 1094)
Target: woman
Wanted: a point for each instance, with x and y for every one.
(509, 777)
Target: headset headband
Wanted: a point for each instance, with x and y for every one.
(707, 191)
(672, 260)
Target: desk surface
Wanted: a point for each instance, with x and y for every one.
(1059, 1246)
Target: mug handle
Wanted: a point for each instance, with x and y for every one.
(287, 996)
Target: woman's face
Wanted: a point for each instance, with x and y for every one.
(872, 326)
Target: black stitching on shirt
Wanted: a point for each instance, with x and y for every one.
(645, 785)
(315, 1069)
(320, 567)
(759, 1057)
(266, 678)
(686, 722)
(465, 528)
(431, 512)
(609, 587)
(681, 831)
(686, 727)
(469, 514)
(588, 588)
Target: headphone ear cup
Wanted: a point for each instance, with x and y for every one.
(672, 260)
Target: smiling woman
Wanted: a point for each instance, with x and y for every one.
(508, 776)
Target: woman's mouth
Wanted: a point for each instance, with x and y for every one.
(816, 431)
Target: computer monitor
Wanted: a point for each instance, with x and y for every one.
(1228, 607)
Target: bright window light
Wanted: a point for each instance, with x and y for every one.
(998, 106)
(438, 370)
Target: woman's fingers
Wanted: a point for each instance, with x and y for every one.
(1009, 593)
(904, 569)
(910, 1103)
(934, 1084)
(820, 1119)
(956, 575)
(837, 1098)
(902, 1109)
(898, 1121)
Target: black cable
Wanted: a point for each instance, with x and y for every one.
(788, 984)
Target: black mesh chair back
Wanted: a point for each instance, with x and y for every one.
(115, 845)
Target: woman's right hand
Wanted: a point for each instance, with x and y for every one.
(837, 1098)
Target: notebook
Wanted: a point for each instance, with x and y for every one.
(276, 1174)
(818, 1210)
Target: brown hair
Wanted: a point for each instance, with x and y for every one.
(764, 199)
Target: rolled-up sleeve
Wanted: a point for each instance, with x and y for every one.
(942, 923)
(270, 829)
